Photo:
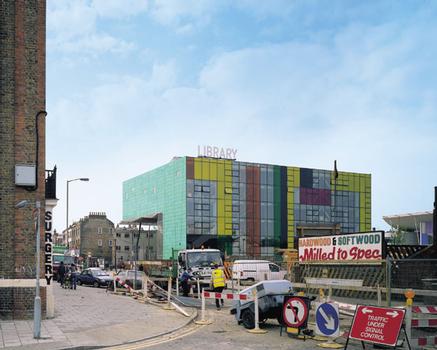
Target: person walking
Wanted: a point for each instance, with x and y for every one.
(73, 276)
(61, 273)
(185, 277)
(218, 283)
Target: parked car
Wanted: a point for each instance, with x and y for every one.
(128, 277)
(94, 276)
(257, 270)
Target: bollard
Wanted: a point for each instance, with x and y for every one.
(146, 292)
(203, 320)
(409, 295)
(177, 286)
(321, 295)
(198, 288)
(168, 306)
(256, 330)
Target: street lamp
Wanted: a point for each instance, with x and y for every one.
(68, 182)
(37, 303)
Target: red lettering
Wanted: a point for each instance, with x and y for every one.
(364, 254)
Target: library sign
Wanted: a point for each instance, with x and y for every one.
(357, 247)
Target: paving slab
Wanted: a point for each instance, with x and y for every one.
(92, 317)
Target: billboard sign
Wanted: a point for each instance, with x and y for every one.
(364, 247)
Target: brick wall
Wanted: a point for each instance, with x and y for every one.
(22, 99)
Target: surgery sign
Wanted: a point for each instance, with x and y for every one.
(365, 247)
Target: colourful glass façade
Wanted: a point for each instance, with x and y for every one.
(245, 208)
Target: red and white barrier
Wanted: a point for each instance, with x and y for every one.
(227, 296)
(422, 341)
(413, 321)
(425, 309)
(125, 285)
(424, 322)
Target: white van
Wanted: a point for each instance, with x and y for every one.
(257, 270)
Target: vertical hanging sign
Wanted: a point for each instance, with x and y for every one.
(48, 246)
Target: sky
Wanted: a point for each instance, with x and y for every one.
(133, 83)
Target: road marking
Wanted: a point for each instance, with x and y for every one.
(159, 340)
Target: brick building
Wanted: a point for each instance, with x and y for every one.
(91, 236)
(22, 135)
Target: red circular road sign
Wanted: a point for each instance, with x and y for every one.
(295, 312)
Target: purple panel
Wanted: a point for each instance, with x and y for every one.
(315, 196)
(428, 227)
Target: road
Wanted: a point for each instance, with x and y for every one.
(224, 333)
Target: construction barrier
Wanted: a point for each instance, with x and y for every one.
(214, 295)
(416, 321)
(227, 296)
(125, 285)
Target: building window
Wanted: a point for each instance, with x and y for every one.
(126, 248)
(118, 234)
(99, 230)
(117, 247)
(126, 235)
(110, 242)
(99, 242)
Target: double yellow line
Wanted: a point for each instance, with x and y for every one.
(159, 340)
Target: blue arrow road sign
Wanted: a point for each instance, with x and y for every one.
(327, 319)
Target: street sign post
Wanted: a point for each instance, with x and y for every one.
(327, 319)
(295, 312)
(377, 325)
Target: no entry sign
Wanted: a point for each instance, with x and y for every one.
(379, 325)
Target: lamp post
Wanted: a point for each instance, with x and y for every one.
(37, 302)
(68, 182)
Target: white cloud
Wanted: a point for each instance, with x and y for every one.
(72, 27)
(178, 13)
(119, 9)
(296, 103)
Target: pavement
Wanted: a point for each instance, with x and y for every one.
(88, 318)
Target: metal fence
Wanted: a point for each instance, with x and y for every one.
(390, 279)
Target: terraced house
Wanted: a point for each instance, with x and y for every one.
(246, 209)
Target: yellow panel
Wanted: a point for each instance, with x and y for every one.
(221, 170)
(220, 226)
(198, 168)
(220, 190)
(293, 176)
(368, 182)
(228, 164)
(205, 169)
(220, 208)
(362, 183)
(213, 170)
(290, 196)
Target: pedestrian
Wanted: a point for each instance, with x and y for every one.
(185, 277)
(73, 276)
(218, 283)
(61, 273)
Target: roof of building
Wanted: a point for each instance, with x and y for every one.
(147, 219)
(408, 220)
